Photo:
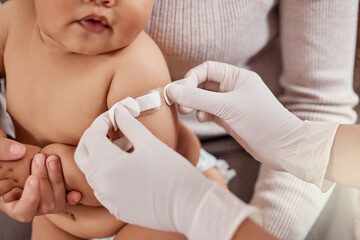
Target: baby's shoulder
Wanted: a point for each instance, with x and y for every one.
(139, 67)
(144, 57)
(16, 11)
(15, 17)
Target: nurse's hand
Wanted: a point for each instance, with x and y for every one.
(154, 186)
(44, 190)
(240, 102)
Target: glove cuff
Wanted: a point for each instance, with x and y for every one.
(308, 153)
(219, 215)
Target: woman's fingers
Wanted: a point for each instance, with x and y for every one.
(47, 203)
(57, 183)
(10, 149)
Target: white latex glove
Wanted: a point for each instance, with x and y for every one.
(242, 104)
(154, 186)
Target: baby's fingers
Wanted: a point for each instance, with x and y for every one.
(13, 195)
(24, 209)
(6, 185)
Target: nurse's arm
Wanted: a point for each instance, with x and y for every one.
(344, 163)
(251, 231)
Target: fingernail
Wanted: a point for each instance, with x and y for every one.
(16, 149)
(34, 182)
(77, 198)
(40, 160)
(53, 165)
(201, 116)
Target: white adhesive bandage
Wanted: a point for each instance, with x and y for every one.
(143, 103)
(149, 101)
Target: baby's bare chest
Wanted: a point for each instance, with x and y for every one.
(55, 101)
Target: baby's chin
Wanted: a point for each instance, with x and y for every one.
(92, 50)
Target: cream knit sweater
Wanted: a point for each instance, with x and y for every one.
(303, 50)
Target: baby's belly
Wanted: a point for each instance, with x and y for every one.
(87, 222)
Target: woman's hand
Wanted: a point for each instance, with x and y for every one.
(239, 101)
(44, 190)
(10, 149)
(155, 186)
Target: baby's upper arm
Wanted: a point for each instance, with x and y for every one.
(141, 68)
(5, 11)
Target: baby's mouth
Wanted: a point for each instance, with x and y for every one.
(94, 23)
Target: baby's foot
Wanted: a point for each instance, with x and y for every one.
(13, 174)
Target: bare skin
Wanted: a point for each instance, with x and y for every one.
(54, 94)
(344, 162)
(23, 204)
(251, 231)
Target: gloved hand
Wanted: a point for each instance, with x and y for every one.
(242, 104)
(154, 186)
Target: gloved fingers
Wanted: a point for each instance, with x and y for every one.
(184, 110)
(101, 125)
(93, 139)
(190, 81)
(195, 98)
(221, 77)
(132, 129)
(211, 72)
(130, 104)
(204, 116)
(97, 133)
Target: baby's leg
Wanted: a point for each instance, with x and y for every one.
(13, 174)
(43, 229)
(134, 232)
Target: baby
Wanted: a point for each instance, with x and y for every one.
(66, 62)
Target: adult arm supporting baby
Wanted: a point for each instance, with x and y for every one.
(4, 28)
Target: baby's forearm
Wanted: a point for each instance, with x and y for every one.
(73, 177)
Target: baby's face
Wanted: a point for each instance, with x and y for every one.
(92, 26)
